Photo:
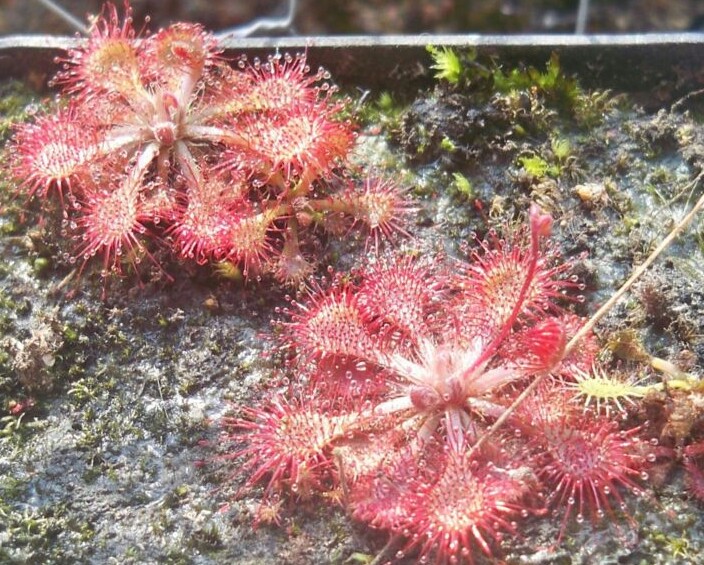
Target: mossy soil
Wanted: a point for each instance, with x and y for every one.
(110, 395)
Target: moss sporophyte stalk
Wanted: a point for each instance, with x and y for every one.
(447, 402)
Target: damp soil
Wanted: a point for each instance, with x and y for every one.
(110, 395)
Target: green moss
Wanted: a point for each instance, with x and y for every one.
(132, 553)
(11, 488)
(551, 88)
(463, 187)
(678, 548)
(85, 531)
(590, 108)
(7, 310)
(446, 144)
(9, 227)
(552, 85)
(41, 265)
(10, 426)
(424, 139)
(70, 334)
(83, 390)
(561, 148)
(15, 98)
(207, 538)
(385, 112)
(34, 531)
(538, 168)
(662, 175)
(446, 64)
(225, 270)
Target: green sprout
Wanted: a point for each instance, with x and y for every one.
(446, 63)
(561, 148)
(463, 187)
(446, 144)
(537, 167)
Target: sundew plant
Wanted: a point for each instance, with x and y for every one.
(401, 371)
(159, 142)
